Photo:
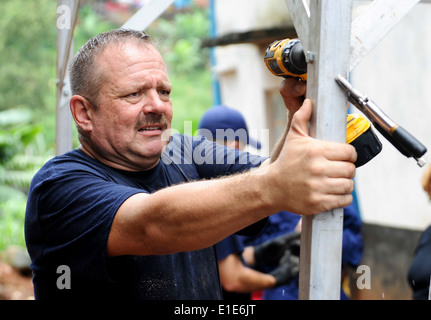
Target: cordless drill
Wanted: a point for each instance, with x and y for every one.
(286, 58)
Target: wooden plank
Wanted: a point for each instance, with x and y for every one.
(300, 13)
(373, 24)
(147, 14)
(64, 120)
(67, 11)
(321, 240)
(254, 36)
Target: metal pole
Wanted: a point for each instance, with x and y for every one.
(329, 39)
(328, 54)
(66, 20)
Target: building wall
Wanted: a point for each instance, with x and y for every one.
(396, 75)
(243, 78)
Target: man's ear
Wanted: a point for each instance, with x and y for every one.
(82, 112)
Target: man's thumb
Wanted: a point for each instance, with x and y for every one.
(301, 118)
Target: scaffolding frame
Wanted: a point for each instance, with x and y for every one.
(333, 45)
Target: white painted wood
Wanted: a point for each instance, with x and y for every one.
(300, 14)
(68, 10)
(64, 120)
(329, 42)
(147, 14)
(373, 24)
(332, 39)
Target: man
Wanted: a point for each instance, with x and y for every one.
(116, 213)
(419, 271)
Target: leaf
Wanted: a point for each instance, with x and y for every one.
(14, 117)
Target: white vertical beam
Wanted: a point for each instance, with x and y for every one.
(321, 240)
(68, 11)
(374, 23)
(301, 19)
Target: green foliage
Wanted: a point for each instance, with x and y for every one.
(88, 25)
(179, 40)
(20, 147)
(27, 44)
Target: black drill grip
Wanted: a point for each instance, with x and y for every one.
(407, 144)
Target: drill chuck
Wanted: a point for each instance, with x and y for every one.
(285, 58)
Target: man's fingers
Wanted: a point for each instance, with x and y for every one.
(293, 92)
(339, 186)
(331, 201)
(292, 87)
(340, 152)
(301, 119)
(334, 164)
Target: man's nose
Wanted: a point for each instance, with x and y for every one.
(153, 104)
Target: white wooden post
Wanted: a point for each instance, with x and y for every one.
(328, 52)
(374, 23)
(67, 11)
(147, 14)
(329, 40)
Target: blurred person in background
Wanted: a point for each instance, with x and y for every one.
(419, 272)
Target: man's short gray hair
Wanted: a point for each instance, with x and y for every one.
(85, 78)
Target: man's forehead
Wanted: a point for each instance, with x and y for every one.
(118, 56)
(131, 48)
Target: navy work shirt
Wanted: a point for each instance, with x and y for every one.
(72, 202)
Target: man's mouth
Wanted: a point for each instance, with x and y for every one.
(150, 128)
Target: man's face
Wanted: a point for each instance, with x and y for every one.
(134, 107)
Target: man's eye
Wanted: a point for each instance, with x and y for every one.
(134, 94)
(165, 92)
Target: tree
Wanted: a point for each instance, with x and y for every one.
(28, 89)
(20, 146)
(179, 40)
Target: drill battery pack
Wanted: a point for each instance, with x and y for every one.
(360, 134)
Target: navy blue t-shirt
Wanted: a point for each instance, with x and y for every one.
(71, 205)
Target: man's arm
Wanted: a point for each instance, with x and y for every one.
(309, 176)
(188, 216)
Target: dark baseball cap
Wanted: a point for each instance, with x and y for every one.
(229, 121)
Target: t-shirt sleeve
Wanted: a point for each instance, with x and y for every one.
(229, 245)
(69, 218)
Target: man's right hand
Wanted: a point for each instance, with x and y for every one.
(309, 175)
